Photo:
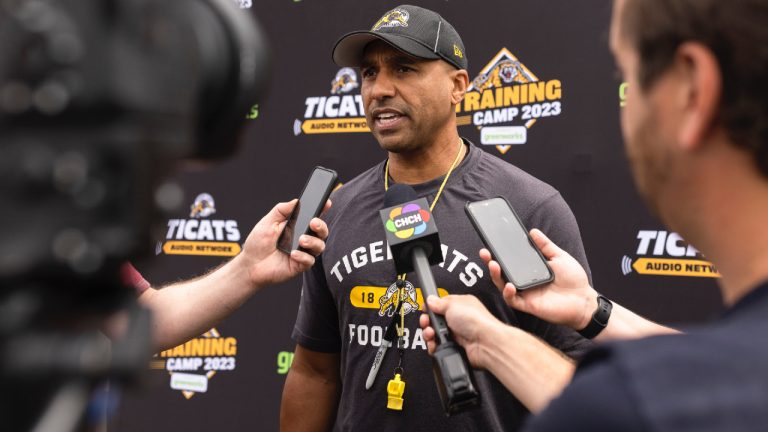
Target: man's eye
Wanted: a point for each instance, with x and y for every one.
(367, 73)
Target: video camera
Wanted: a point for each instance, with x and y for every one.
(97, 99)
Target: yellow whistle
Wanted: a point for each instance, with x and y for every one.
(395, 390)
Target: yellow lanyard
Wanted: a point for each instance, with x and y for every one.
(401, 294)
(396, 386)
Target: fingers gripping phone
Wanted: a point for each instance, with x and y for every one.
(504, 235)
(311, 203)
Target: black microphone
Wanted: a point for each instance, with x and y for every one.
(409, 224)
(415, 245)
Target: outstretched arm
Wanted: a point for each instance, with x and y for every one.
(569, 299)
(186, 309)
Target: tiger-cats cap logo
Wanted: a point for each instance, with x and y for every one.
(506, 99)
(393, 18)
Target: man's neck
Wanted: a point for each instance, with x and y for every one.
(726, 220)
(427, 163)
(740, 253)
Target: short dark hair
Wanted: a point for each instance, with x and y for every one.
(737, 33)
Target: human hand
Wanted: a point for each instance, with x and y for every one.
(567, 300)
(470, 323)
(265, 263)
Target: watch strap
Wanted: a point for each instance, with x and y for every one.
(599, 319)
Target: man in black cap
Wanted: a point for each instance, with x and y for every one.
(413, 66)
(695, 131)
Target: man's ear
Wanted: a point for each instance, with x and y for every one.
(460, 79)
(703, 86)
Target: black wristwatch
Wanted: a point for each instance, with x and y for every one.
(599, 319)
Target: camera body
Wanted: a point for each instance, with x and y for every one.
(98, 98)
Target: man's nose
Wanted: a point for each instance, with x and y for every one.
(383, 86)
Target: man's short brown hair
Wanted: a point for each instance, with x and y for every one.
(737, 33)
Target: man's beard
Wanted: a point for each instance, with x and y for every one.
(651, 165)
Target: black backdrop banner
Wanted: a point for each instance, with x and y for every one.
(544, 97)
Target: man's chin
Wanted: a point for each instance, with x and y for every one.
(391, 143)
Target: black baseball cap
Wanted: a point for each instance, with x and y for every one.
(414, 30)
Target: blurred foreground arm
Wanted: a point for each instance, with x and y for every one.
(569, 299)
(187, 309)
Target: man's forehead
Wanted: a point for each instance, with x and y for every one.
(380, 51)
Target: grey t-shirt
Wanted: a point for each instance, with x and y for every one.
(344, 305)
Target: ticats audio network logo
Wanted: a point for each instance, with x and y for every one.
(199, 235)
(662, 253)
(340, 112)
(407, 221)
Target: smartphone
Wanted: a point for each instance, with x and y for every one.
(504, 235)
(311, 202)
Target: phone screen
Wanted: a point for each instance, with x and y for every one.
(310, 204)
(508, 240)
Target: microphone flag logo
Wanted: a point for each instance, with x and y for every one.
(407, 221)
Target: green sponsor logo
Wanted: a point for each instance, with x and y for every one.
(284, 360)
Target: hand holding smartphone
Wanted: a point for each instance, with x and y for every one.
(316, 192)
(504, 234)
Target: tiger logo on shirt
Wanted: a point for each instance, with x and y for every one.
(391, 300)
